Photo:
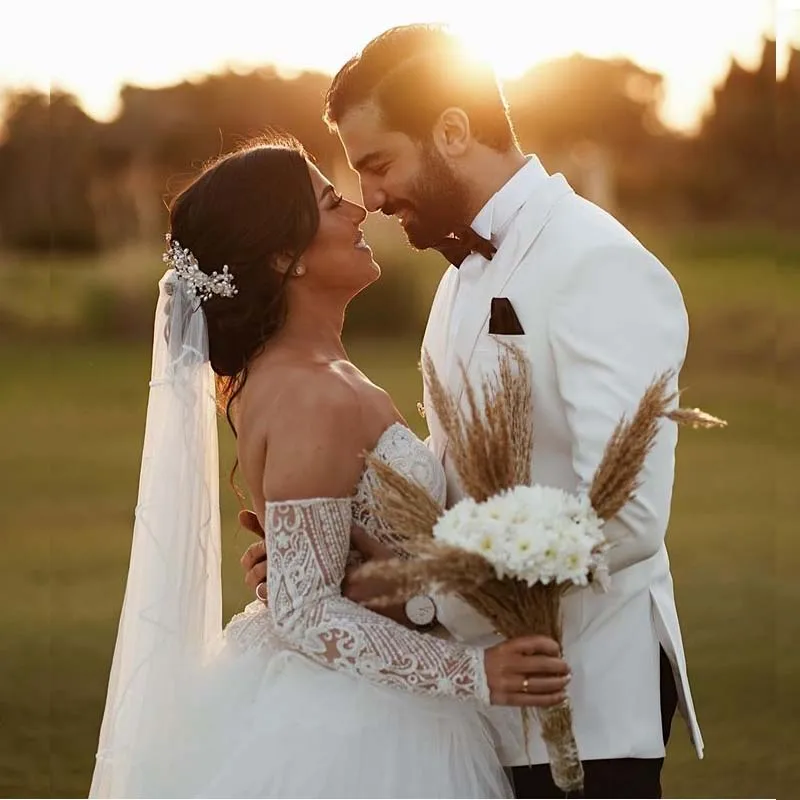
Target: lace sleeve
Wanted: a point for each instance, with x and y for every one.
(308, 543)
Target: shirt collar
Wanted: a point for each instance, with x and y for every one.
(493, 219)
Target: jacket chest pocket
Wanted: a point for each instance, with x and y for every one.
(489, 349)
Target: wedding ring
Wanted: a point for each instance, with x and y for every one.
(525, 686)
(262, 598)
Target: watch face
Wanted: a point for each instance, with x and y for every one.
(421, 610)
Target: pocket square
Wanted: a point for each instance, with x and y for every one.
(503, 318)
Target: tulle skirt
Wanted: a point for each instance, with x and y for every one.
(263, 721)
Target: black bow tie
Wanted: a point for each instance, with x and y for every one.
(457, 247)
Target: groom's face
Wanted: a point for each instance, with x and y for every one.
(404, 178)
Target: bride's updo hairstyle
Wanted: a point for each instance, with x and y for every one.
(245, 210)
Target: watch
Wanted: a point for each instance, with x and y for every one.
(421, 611)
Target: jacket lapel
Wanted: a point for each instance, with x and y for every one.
(434, 342)
(523, 233)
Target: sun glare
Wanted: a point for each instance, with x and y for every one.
(689, 42)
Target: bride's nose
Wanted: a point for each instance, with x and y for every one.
(359, 212)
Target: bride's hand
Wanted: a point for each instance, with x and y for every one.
(527, 671)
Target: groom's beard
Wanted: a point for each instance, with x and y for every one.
(438, 203)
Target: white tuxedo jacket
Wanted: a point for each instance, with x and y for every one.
(602, 317)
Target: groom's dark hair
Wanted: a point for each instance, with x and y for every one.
(413, 73)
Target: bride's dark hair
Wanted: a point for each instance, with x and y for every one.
(247, 209)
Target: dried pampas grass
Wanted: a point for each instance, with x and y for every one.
(490, 442)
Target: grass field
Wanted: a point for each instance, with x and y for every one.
(71, 424)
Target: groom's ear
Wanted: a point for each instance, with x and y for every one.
(452, 132)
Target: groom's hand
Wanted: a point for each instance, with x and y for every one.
(254, 560)
(366, 590)
(527, 671)
(254, 564)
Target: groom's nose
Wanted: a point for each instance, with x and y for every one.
(373, 197)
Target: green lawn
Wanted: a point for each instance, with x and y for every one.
(71, 424)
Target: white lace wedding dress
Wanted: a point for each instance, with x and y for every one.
(317, 696)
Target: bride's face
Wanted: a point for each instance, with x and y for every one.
(338, 257)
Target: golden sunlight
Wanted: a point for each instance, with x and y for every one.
(691, 43)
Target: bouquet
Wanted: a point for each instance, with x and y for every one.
(511, 549)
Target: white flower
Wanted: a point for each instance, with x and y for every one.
(536, 534)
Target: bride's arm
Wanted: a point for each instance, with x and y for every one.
(315, 457)
(308, 545)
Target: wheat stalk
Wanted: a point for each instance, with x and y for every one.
(516, 385)
(450, 569)
(403, 505)
(617, 476)
(490, 442)
(695, 418)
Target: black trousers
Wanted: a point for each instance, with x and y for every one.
(614, 777)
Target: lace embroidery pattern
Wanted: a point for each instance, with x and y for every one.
(308, 542)
(252, 629)
(401, 448)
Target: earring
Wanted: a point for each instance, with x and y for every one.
(299, 270)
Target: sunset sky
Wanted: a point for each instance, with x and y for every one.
(91, 50)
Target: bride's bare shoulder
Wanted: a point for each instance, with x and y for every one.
(290, 391)
(316, 434)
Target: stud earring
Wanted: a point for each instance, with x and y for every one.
(299, 270)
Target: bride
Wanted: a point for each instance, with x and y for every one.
(310, 695)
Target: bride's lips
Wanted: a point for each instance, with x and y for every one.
(361, 244)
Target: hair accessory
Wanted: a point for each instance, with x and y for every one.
(187, 269)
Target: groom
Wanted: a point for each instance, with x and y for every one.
(428, 132)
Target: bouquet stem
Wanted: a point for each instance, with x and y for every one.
(562, 749)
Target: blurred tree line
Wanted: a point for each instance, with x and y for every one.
(68, 182)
